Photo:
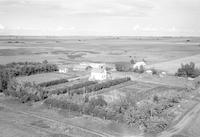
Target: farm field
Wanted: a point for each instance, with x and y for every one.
(126, 104)
(65, 50)
(172, 66)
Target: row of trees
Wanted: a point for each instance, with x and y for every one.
(73, 87)
(53, 82)
(32, 92)
(188, 70)
(8, 71)
(128, 67)
(99, 86)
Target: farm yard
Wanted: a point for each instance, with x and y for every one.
(38, 99)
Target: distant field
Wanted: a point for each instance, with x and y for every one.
(65, 50)
(172, 66)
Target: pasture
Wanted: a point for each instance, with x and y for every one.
(65, 50)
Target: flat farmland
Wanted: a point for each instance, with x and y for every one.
(65, 50)
(162, 53)
(172, 66)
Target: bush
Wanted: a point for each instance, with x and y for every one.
(26, 92)
(88, 86)
(63, 104)
(123, 67)
(139, 70)
(99, 101)
(73, 87)
(154, 71)
(94, 106)
(99, 86)
(8, 71)
(188, 70)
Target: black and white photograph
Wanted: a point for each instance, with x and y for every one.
(99, 68)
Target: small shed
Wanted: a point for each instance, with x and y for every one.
(137, 65)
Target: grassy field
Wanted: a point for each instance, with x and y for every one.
(65, 50)
(46, 77)
(172, 66)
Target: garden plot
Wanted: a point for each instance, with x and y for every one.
(141, 85)
(115, 93)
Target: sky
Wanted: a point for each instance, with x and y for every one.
(100, 17)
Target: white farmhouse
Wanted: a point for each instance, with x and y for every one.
(98, 74)
(137, 65)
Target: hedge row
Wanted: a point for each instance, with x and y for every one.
(8, 71)
(26, 92)
(53, 82)
(95, 107)
(31, 92)
(99, 86)
(73, 87)
(62, 104)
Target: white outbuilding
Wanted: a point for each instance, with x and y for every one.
(137, 65)
(63, 70)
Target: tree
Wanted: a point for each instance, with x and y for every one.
(188, 70)
(45, 62)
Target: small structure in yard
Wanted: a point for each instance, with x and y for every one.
(149, 72)
(189, 78)
(99, 73)
(163, 73)
(138, 65)
(63, 69)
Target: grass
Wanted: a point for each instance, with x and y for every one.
(153, 49)
(44, 77)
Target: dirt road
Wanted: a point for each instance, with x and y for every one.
(187, 118)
